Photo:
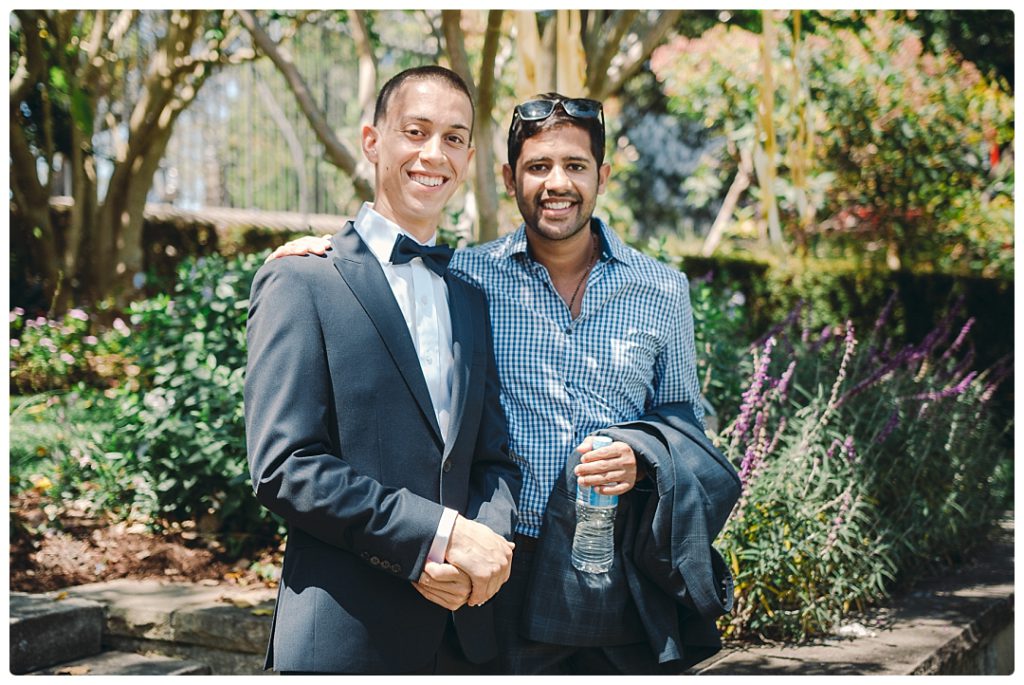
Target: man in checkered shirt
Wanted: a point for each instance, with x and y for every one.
(588, 333)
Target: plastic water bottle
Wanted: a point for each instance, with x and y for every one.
(593, 544)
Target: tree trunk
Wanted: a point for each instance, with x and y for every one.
(485, 180)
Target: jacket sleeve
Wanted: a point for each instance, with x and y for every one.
(496, 478)
(298, 472)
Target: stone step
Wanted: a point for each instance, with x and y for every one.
(125, 663)
(51, 628)
(221, 625)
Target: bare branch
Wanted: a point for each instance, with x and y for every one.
(607, 47)
(22, 159)
(337, 151)
(119, 28)
(367, 65)
(485, 91)
(639, 53)
(451, 23)
(30, 64)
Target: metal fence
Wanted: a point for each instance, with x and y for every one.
(244, 142)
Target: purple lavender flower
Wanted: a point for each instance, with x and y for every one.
(752, 394)
(783, 386)
(889, 427)
(959, 339)
(850, 450)
(850, 344)
(883, 316)
(949, 391)
(775, 438)
(837, 522)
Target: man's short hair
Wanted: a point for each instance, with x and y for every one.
(430, 72)
(521, 130)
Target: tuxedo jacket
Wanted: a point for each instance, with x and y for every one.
(344, 445)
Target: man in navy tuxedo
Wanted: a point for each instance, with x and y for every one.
(373, 419)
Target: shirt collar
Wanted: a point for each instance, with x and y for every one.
(611, 245)
(380, 233)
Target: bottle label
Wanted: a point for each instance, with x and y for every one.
(589, 496)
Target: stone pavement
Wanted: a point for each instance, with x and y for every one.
(959, 623)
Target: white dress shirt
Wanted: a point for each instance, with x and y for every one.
(422, 296)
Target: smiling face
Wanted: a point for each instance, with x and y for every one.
(556, 182)
(421, 153)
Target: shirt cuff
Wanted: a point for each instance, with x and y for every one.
(444, 533)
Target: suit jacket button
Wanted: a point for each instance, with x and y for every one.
(396, 568)
(447, 466)
(375, 561)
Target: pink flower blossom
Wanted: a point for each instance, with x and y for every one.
(67, 358)
(121, 327)
(90, 340)
(78, 314)
(15, 342)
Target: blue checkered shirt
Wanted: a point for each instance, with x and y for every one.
(630, 349)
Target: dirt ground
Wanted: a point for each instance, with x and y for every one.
(74, 550)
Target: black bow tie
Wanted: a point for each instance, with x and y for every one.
(435, 257)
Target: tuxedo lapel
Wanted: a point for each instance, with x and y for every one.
(362, 272)
(462, 354)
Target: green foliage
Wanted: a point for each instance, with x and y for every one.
(910, 160)
(57, 354)
(183, 427)
(56, 448)
(862, 463)
(914, 139)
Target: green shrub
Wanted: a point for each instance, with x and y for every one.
(56, 448)
(903, 155)
(862, 463)
(183, 428)
(56, 354)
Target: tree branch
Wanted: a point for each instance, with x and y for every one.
(597, 69)
(639, 53)
(485, 90)
(451, 23)
(30, 64)
(337, 151)
(367, 66)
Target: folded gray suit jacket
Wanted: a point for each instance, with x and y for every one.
(667, 584)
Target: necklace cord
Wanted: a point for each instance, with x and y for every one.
(593, 261)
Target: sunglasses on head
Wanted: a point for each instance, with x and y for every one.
(578, 108)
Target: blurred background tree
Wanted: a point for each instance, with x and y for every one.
(94, 99)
